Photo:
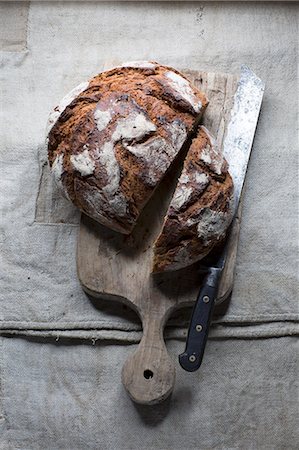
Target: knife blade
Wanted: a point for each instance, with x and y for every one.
(236, 150)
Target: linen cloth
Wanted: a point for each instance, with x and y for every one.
(69, 397)
(55, 47)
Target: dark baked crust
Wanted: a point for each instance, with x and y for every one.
(200, 210)
(112, 144)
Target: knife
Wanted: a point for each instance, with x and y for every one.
(236, 150)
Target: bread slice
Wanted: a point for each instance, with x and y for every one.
(112, 139)
(200, 210)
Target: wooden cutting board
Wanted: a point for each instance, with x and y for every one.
(116, 267)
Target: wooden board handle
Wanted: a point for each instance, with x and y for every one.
(148, 374)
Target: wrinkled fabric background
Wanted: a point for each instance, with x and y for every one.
(62, 352)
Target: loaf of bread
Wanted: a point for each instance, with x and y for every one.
(112, 139)
(200, 210)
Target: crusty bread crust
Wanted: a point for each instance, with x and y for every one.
(113, 138)
(200, 210)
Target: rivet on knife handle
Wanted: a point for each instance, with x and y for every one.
(191, 359)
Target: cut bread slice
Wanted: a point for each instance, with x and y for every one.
(200, 210)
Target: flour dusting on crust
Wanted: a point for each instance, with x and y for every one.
(181, 196)
(96, 206)
(183, 254)
(212, 225)
(201, 178)
(102, 118)
(186, 186)
(178, 134)
(134, 126)
(206, 155)
(83, 163)
(211, 154)
(157, 154)
(184, 89)
(107, 159)
(67, 99)
(139, 64)
(184, 178)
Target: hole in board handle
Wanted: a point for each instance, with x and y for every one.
(148, 374)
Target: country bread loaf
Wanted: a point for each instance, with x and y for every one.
(112, 139)
(200, 210)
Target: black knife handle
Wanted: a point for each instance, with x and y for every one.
(198, 331)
